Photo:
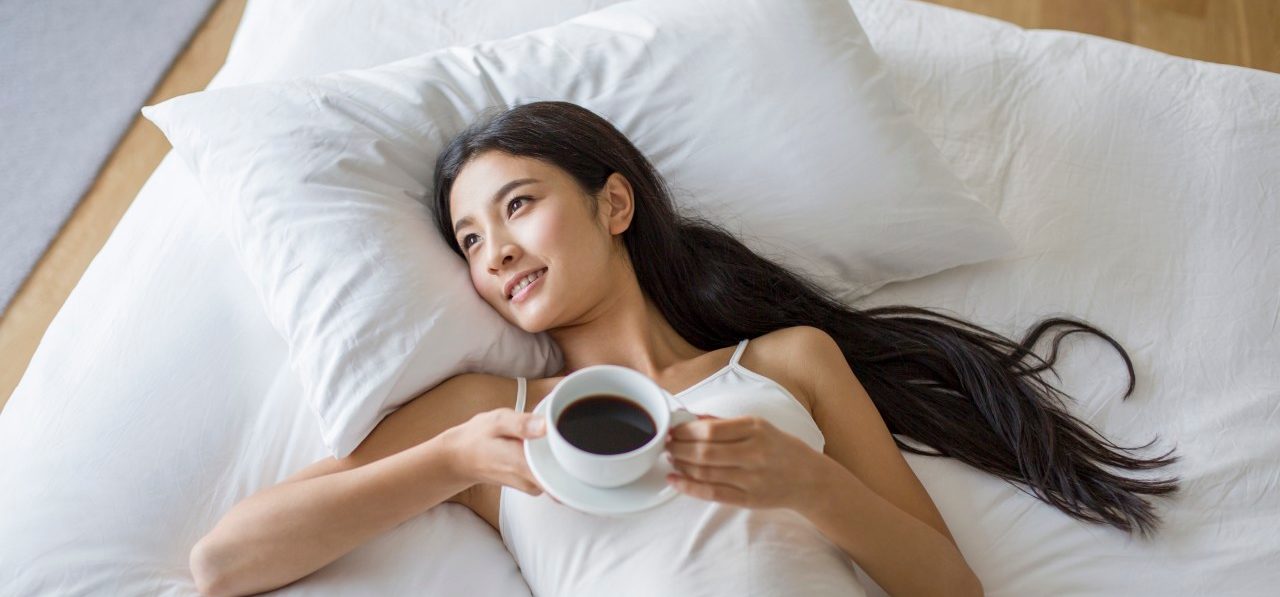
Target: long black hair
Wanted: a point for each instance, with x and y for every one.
(958, 388)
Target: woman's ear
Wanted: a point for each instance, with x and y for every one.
(619, 203)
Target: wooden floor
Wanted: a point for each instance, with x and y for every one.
(1242, 32)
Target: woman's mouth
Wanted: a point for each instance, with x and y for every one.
(522, 293)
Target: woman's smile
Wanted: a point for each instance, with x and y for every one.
(524, 293)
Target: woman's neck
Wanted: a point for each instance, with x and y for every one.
(630, 332)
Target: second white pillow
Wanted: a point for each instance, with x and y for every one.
(771, 117)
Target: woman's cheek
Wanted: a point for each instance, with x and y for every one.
(543, 234)
(478, 284)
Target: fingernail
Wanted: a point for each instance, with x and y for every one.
(533, 425)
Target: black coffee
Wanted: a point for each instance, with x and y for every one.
(606, 424)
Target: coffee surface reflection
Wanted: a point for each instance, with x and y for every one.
(606, 424)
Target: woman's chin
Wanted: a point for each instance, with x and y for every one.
(522, 323)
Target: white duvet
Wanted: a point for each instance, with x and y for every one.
(1144, 191)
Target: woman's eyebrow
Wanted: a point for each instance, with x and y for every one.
(506, 188)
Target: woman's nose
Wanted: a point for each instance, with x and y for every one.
(500, 255)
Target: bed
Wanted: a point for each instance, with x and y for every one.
(1142, 189)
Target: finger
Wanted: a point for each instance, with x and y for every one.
(524, 425)
(716, 429)
(534, 425)
(724, 475)
(530, 489)
(700, 417)
(527, 483)
(526, 477)
(708, 453)
(542, 491)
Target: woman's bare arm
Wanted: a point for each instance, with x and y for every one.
(874, 507)
(290, 530)
(405, 467)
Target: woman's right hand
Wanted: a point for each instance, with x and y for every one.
(489, 448)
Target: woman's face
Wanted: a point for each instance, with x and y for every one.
(520, 215)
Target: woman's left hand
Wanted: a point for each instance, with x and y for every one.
(745, 461)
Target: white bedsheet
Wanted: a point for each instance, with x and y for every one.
(1143, 189)
(1145, 192)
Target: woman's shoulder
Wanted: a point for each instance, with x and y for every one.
(791, 345)
(786, 355)
(801, 334)
(498, 391)
(502, 391)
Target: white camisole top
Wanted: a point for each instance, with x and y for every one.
(687, 546)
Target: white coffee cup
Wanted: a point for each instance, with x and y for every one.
(612, 470)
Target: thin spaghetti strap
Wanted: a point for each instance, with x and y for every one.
(738, 353)
(521, 384)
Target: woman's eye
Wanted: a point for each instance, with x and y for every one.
(513, 200)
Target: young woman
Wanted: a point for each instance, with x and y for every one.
(791, 472)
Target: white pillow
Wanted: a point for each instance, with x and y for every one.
(772, 117)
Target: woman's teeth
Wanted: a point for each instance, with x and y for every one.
(526, 281)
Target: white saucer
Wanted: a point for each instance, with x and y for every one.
(648, 491)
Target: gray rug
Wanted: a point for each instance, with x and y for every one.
(73, 75)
